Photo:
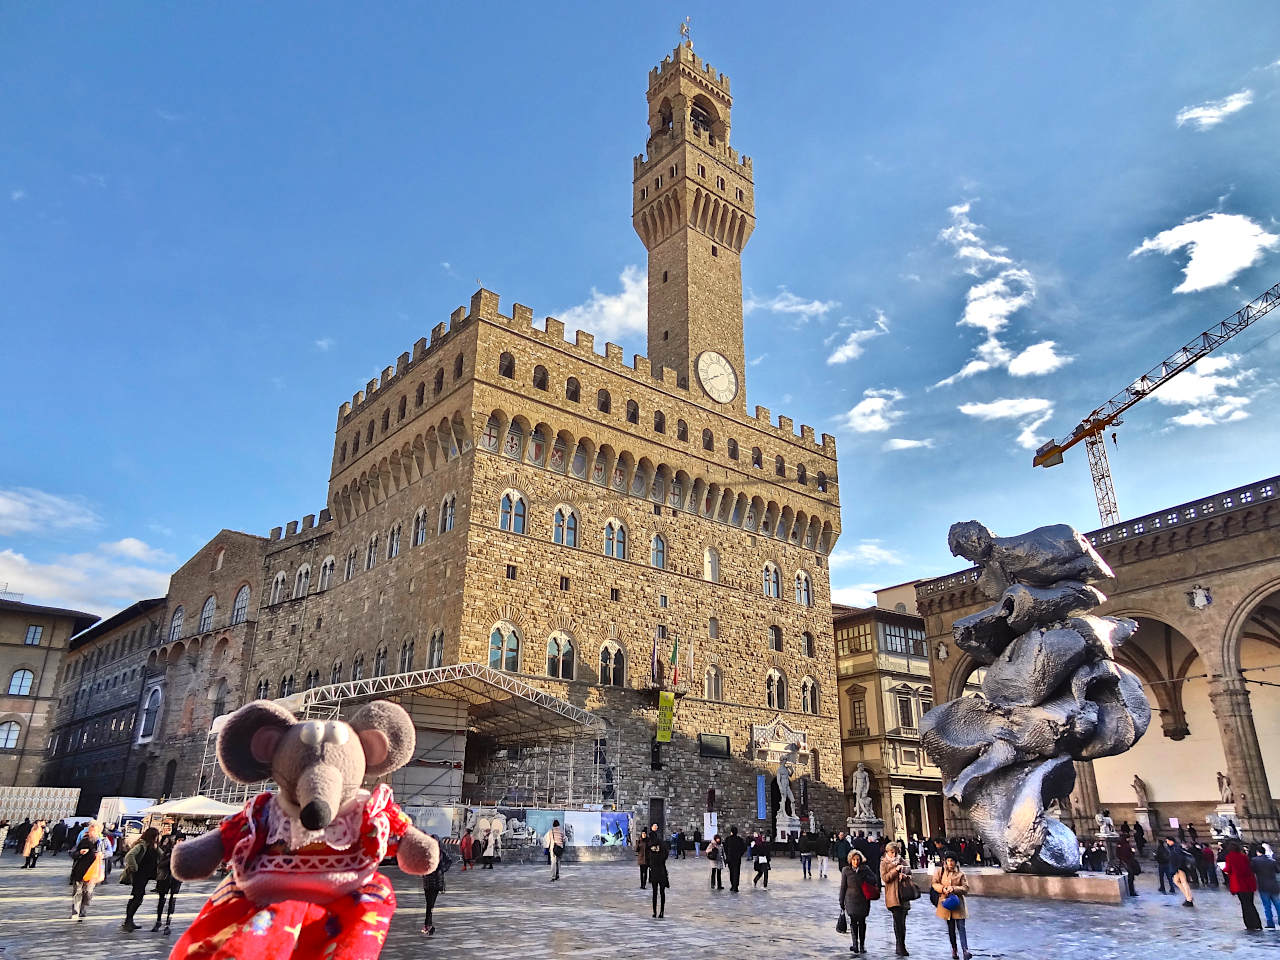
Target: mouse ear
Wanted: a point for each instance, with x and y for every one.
(248, 740)
(387, 734)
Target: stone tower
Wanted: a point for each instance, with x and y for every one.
(693, 206)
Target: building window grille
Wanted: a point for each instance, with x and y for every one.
(34, 633)
(560, 656)
(504, 649)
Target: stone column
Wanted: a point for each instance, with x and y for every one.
(1085, 799)
(1231, 707)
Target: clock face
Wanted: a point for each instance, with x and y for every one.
(716, 375)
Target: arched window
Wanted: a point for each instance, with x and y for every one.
(219, 697)
(780, 466)
(539, 377)
(732, 446)
(713, 628)
(822, 482)
(371, 553)
(438, 384)
(802, 475)
(175, 624)
(278, 587)
(20, 683)
(775, 690)
(150, 714)
(565, 527)
(615, 540)
(326, 573)
(386, 420)
(287, 685)
(206, 614)
(682, 430)
(357, 668)
(335, 675)
(302, 582)
(342, 454)
(603, 402)
(775, 638)
(312, 681)
(446, 513)
(240, 608)
(572, 390)
(380, 662)
(806, 641)
(264, 689)
(560, 657)
(804, 589)
(457, 368)
(613, 665)
(435, 650)
(504, 648)
(808, 695)
(420, 397)
(352, 563)
(404, 404)
(355, 444)
(772, 581)
(711, 564)
(368, 434)
(406, 656)
(393, 542)
(713, 683)
(420, 527)
(9, 731)
(512, 513)
(507, 366)
(708, 442)
(170, 775)
(633, 412)
(659, 422)
(658, 553)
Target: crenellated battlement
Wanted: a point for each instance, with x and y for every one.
(684, 55)
(295, 530)
(641, 164)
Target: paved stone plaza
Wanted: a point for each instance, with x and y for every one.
(599, 910)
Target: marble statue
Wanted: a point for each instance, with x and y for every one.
(1224, 788)
(862, 809)
(786, 770)
(1106, 826)
(1140, 788)
(1053, 693)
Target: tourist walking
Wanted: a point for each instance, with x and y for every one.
(139, 870)
(32, 846)
(1242, 883)
(1209, 864)
(1174, 865)
(839, 851)
(490, 849)
(656, 853)
(1139, 837)
(167, 885)
(808, 846)
(822, 848)
(554, 842)
(433, 886)
(1267, 872)
(858, 887)
(57, 837)
(761, 855)
(467, 849)
(893, 870)
(715, 856)
(86, 869)
(1129, 860)
(642, 856)
(735, 848)
(952, 887)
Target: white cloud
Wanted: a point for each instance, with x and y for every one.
(17, 195)
(612, 316)
(989, 304)
(864, 553)
(784, 301)
(756, 361)
(132, 548)
(861, 595)
(875, 412)
(24, 510)
(852, 348)
(1209, 114)
(168, 116)
(324, 343)
(1037, 359)
(1221, 245)
(96, 583)
(899, 443)
(1202, 389)
(1031, 412)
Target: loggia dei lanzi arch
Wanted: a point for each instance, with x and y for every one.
(1203, 581)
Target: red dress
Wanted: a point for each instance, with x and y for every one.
(293, 892)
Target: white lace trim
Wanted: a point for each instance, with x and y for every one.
(342, 833)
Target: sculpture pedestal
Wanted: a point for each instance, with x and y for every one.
(1148, 817)
(870, 826)
(788, 827)
(993, 882)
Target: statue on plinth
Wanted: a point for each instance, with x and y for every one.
(1053, 692)
(862, 808)
(1140, 788)
(1224, 788)
(786, 770)
(1106, 826)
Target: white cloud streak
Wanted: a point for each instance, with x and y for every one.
(94, 582)
(1205, 391)
(25, 510)
(324, 344)
(1207, 115)
(875, 412)
(858, 595)
(784, 301)
(131, 548)
(1220, 246)
(17, 195)
(1030, 412)
(864, 553)
(1037, 359)
(900, 443)
(613, 316)
(852, 348)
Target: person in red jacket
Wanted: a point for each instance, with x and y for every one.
(1243, 884)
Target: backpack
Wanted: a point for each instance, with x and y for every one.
(446, 861)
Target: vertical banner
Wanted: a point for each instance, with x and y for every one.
(762, 811)
(710, 825)
(666, 715)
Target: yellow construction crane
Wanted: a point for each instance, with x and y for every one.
(1093, 428)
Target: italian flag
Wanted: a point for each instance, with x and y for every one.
(675, 659)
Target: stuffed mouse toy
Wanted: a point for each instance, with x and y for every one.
(304, 859)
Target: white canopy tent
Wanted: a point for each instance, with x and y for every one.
(195, 807)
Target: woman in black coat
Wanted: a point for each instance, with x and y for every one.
(856, 880)
(656, 852)
(433, 886)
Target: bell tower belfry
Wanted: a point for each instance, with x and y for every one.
(693, 206)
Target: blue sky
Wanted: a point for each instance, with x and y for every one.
(976, 222)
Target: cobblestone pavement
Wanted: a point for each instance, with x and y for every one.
(515, 913)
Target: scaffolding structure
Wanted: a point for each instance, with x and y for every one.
(539, 750)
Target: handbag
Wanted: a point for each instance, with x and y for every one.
(907, 890)
(951, 901)
(933, 894)
(558, 850)
(870, 891)
(842, 925)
